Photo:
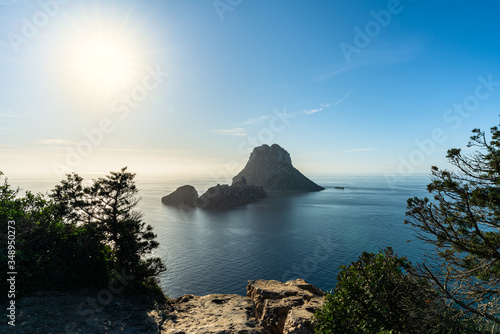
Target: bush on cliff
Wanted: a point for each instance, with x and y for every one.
(78, 236)
(49, 253)
(378, 294)
(462, 223)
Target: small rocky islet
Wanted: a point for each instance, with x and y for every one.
(269, 170)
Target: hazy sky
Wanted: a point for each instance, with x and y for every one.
(176, 86)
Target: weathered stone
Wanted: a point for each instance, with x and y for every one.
(182, 196)
(271, 167)
(212, 314)
(299, 320)
(271, 307)
(223, 196)
(284, 308)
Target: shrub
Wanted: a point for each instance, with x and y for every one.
(379, 294)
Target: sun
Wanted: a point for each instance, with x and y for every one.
(105, 63)
(101, 58)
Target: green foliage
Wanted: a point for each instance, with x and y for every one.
(49, 253)
(378, 294)
(79, 235)
(107, 206)
(463, 223)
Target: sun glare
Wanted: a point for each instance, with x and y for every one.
(102, 57)
(104, 64)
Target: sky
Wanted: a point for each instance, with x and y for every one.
(185, 87)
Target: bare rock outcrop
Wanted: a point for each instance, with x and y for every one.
(217, 197)
(185, 195)
(270, 307)
(271, 167)
(285, 308)
(223, 196)
(212, 314)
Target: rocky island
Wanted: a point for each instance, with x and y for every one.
(238, 193)
(185, 195)
(271, 167)
(217, 197)
(268, 170)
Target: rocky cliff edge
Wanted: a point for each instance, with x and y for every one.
(270, 307)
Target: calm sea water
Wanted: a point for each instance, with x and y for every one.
(298, 236)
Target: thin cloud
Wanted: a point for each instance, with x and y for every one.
(152, 150)
(231, 132)
(323, 106)
(342, 99)
(357, 150)
(276, 113)
(406, 51)
(256, 120)
(55, 142)
(6, 147)
(304, 81)
(10, 114)
(328, 75)
(312, 111)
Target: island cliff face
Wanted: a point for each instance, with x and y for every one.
(218, 197)
(271, 167)
(238, 193)
(185, 195)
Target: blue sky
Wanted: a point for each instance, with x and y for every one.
(189, 87)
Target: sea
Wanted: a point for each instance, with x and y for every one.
(306, 235)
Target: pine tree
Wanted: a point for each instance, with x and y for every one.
(462, 222)
(108, 206)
